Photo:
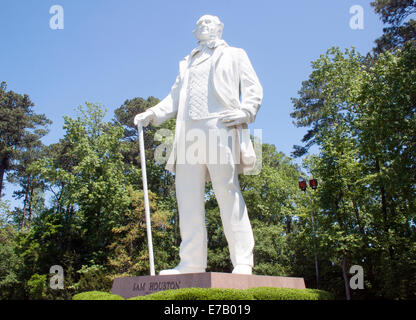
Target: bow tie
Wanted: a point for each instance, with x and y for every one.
(211, 44)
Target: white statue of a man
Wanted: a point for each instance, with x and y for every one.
(216, 90)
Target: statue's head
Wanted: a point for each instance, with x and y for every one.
(208, 28)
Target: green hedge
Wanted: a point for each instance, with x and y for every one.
(268, 293)
(198, 294)
(96, 295)
(261, 293)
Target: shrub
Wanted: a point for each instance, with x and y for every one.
(198, 294)
(323, 295)
(37, 286)
(261, 293)
(93, 278)
(268, 293)
(96, 295)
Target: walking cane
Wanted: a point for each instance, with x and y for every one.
(146, 199)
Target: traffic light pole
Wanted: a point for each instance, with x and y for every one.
(314, 244)
(313, 183)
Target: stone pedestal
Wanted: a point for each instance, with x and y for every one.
(128, 287)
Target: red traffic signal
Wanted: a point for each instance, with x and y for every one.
(313, 183)
(302, 185)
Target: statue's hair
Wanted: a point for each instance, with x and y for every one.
(217, 21)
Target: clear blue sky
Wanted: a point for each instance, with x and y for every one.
(110, 51)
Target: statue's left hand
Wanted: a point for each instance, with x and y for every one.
(145, 118)
(234, 117)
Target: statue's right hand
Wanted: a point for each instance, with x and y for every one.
(145, 118)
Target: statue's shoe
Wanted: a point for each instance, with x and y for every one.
(180, 270)
(242, 269)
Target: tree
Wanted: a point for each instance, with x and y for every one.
(129, 250)
(88, 179)
(10, 261)
(160, 181)
(20, 127)
(387, 128)
(364, 127)
(31, 186)
(394, 14)
(312, 108)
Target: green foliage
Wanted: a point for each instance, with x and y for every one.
(272, 251)
(363, 120)
(93, 277)
(268, 293)
(399, 31)
(260, 293)
(20, 129)
(10, 261)
(96, 295)
(129, 250)
(88, 174)
(5, 212)
(37, 286)
(198, 294)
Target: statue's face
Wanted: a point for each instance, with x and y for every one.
(207, 28)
